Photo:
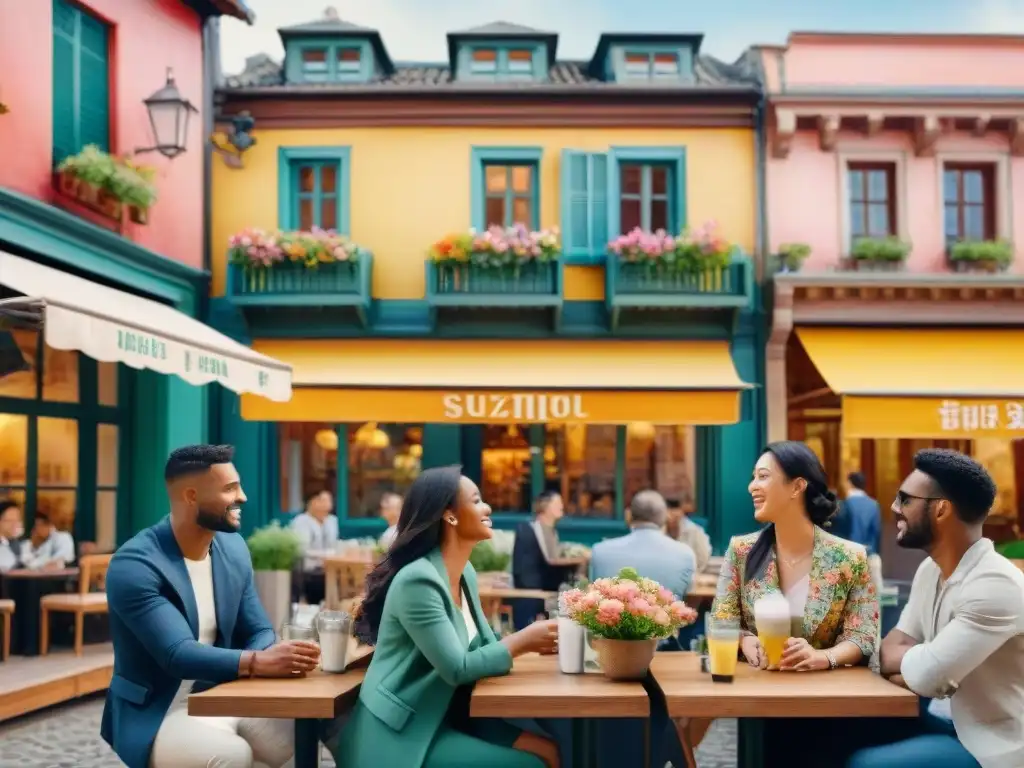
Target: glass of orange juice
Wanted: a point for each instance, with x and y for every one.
(771, 615)
(723, 648)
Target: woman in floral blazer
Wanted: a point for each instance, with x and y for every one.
(793, 556)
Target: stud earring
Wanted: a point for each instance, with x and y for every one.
(452, 521)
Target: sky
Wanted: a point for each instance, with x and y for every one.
(414, 30)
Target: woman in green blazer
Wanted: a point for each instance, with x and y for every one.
(432, 642)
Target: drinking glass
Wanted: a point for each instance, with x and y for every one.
(298, 632)
(723, 648)
(774, 626)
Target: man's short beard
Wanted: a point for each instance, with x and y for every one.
(212, 521)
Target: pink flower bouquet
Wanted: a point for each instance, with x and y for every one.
(627, 607)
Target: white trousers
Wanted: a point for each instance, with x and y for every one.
(185, 741)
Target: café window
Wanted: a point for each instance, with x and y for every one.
(59, 406)
(381, 458)
(596, 468)
(309, 462)
(506, 478)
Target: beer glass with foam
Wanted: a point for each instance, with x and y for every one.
(771, 615)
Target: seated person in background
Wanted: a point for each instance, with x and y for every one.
(317, 530)
(47, 548)
(646, 548)
(961, 635)
(390, 509)
(680, 527)
(11, 531)
(536, 546)
(432, 643)
(865, 516)
(184, 611)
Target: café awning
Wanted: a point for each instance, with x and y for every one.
(113, 326)
(961, 383)
(505, 382)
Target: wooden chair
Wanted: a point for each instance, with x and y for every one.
(6, 612)
(92, 574)
(345, 579)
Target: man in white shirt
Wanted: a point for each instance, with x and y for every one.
(961, 635)
(47, 548)
(680, 527)
(317, 530)
(11, 531)
(390, 511)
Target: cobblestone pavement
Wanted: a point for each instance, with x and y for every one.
(69, 737)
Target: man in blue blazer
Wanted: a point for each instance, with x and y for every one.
(184, 612)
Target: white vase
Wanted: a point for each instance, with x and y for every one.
(275, 591)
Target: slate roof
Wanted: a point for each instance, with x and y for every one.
(264, 75)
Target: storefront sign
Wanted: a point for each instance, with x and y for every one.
(513, 406)
(141, 344)
(433, 406)
(932, 417)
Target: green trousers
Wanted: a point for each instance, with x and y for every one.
(452, 748)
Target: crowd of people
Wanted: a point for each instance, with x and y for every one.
(185, 616)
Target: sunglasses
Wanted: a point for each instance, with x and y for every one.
(903, 498)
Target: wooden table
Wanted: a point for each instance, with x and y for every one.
(26, 587)
(536, 689)
(704, 587)
(757, 694)
(491, 598)
(307, 699)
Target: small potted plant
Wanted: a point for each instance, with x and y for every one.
(626, 616)
(133, 185)
(86, 177)
(981, 255)
(491, 564)
(792, 256)
(274, 551)
(879, 254)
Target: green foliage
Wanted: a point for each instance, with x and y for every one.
(485, 558)
(124, 179)
(1013, 550)
(996, 252)
(273, 548)
(880, 249)
(793, 255)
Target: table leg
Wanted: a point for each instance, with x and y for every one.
(582, 749)
(307, 744)
(750, 743)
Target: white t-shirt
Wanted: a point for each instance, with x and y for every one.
(467, 617)
(200, 573)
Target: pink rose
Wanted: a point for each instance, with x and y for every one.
(639, 607)
(590, 601)
(609, 612)
(661, 617)
(665, 595)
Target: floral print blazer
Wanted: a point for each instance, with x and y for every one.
(842, 603)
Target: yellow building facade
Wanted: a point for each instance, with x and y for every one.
(585, 368)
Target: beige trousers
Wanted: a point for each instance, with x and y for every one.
(184, 741)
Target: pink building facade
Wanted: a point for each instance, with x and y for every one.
(914, 144)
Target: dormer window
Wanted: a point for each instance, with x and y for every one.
(350, 61)
(651, 66)
(485, 61)
(520, 63)
(314, 65)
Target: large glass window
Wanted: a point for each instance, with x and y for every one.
(580, 463)
(64, 406)
(505, 467)
(381, 458)
(660, 458)
(309, 462)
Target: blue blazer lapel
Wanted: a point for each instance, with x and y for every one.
(226, 594)
(176, 573)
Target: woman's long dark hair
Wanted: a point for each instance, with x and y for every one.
(433, 493)
(795, 459)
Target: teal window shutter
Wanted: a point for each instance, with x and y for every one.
(81, 81)
(584, 206)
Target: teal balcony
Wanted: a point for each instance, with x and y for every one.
(491, 295)
(637, 286)
(337, 290)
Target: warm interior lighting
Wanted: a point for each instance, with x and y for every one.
(327, 439)
(371, 436)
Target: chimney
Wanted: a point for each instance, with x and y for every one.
(331, 13)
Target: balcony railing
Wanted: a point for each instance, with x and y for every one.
(640, 285)
(337, 284)
(464, 284)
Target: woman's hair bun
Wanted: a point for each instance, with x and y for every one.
(823, 505)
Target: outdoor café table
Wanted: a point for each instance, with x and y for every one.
(308, 699)
(756, 694)
(26, 588)
(536, 689)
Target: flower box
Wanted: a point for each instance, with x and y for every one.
(295, 278)
(988, 256)
(107, 184)
(879, 254)
(466, 277)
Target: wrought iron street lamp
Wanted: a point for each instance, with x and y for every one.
(169, 113)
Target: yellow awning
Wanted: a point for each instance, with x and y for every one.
(504, 382)
(962, 383)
